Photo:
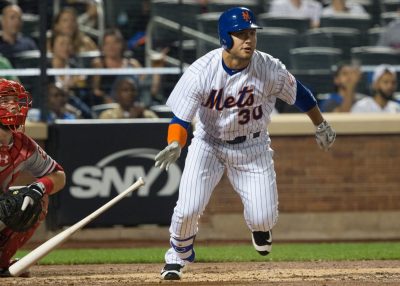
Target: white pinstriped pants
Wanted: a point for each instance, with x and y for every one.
(250, 170)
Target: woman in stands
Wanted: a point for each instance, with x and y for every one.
(66, 23)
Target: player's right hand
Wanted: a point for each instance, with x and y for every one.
(168, 156)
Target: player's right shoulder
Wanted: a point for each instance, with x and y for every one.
(206, 62)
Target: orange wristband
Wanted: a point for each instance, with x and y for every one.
(177, 132)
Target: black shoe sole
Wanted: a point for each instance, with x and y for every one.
(171, 276)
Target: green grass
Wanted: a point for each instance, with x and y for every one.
(231, 253)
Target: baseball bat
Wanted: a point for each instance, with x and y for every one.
(35, 255)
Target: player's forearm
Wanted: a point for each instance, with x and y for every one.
(315, 115)
(57, 179)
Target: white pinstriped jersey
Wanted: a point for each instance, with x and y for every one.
(229, 106)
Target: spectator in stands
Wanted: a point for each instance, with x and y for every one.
(66, 23)
(343, 7)
(113, 51)
(58, 106)
(391, 35)
(11, 39)
(74, 85)
(62, 57)
(6, 65)
(298, 8)
(125, 92)
(384, 84)
(346, 78)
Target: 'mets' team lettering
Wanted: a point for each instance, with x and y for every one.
(214, 100)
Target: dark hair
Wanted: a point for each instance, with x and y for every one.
(118, 35)
(119, 80)
(5, 4)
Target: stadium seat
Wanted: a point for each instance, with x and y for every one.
(341, 38)
(316, 80)
(371, 55)
(99, 108)
(184, 13)
(298, 23)
(222, 5)
(85, 58)
(277, 42)
(30, 25)
(388, 17)
(391, 5)
(374, 35)
(162, 111)
(28, 59)
(361, 23)
(368, 5)
(316, 58)
(207, 23)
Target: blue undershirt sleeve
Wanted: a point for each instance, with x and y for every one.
(304, 98)
(179, 121)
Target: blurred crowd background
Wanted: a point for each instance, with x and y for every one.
(121, 58)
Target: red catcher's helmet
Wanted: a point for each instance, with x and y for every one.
(15, 102)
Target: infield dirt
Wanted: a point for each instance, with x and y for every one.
(265, 273)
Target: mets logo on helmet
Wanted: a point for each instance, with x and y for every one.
(246, 16)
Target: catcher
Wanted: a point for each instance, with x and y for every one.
(22, 209)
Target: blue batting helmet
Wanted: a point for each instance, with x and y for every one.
(234, 20)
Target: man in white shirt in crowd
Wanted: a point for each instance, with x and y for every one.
(298, 8)
(384, 84)
(344, 7)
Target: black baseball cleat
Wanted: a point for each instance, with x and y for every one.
(172, 272)
(262, 242)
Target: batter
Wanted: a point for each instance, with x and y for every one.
(232, 92)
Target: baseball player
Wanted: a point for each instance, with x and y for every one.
(21, 209)
(232, 92)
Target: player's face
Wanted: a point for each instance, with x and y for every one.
(386, 85)
(10, 103)
(244, 44)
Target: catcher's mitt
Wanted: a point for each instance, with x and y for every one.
(20, 208)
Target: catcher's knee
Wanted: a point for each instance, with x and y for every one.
(184, 248)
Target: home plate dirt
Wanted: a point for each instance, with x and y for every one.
(251, 273)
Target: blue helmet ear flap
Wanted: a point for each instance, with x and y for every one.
(233, 20)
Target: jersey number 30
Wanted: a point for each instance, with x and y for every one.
(246, 114)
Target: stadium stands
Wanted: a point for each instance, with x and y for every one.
(277, 42)
(316, 58)
(334, 37)
(368, 55)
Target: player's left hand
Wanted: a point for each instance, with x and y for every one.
(20, 208)
(168, 156)
(325, 136)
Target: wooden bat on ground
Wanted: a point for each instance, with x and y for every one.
(35, 255)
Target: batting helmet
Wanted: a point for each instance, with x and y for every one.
(234, 20)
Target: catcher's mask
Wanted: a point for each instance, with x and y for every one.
(15, 102)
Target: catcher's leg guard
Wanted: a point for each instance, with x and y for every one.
(15, 241)
(12, 241)
(262, 241)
